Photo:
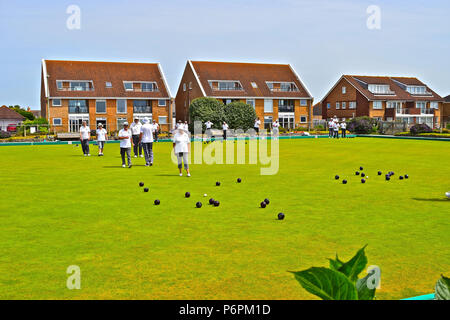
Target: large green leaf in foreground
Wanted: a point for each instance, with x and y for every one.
(442, 290)
(327, 284)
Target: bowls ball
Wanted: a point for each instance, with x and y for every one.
(281, 216)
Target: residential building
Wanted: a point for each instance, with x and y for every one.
(383, 98)
(274, 90)
(446, 112)
(103, 92)
(9, 117)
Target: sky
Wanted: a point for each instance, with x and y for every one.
(321, 39)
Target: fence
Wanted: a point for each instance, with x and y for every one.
(390, 127)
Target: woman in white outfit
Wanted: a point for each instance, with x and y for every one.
(182, 147)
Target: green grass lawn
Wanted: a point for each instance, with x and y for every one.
(59, 208)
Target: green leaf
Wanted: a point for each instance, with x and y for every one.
(355, 265)
(335, 264)
(364, 292)
(442, 289)
(327, 284)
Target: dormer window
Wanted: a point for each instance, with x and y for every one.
(416, 89)
(254, 85)
(77, 85)
(282, 86)
(138, 86)
(380, 89)
(225, 85)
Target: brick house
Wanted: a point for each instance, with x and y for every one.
(446, 111)
(9, 117)
(274, 90)
(103, 92)
(383, 98)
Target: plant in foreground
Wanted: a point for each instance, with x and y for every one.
(442, 289)
(340, 281)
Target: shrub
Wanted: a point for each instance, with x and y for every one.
(5, 135)
(204, 109)
(361, 125)
(340, 281)
(319, 127)
(301, 129)
(420, 128)
(239, 115)
(448, 126)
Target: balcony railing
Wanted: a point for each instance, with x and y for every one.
(227, 88)
(415, 111)
(142, 89)
(78, 110)
(284, 90)
(286, 109)
(76, 89)
(142, 109)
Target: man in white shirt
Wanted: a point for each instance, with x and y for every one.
(85, 136)
(182, 147)
(336, 128)
(186, 126)
(179, 125)
(256, 125)
(125, 137)
(155, 130)
(276, 126)
(330, 129)
(101, 138)
(208, 125)
(344, 129)
(136, 131)
(225, 129)
(146, 139)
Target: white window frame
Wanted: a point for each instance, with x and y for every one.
(434, 105)
(57, 125)
(254, 85)
(344, 105)
(376, 107)
(306, 119)
(162, 105)
(344, 90)
(117, 106)
(106, 107)
(266, 101)
(125, 86)
(108, 84)
(56, 105)
(352, 105)
(164, 121)
(251, 102)
(338, 105)
(184, 86)
(303, 102)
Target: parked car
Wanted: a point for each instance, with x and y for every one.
(11, 128)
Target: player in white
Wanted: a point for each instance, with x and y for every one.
(125, 136)
(225, 129)
(336, 128)
(179, 125)
(155, 126)
(136, 131)
(256, 125)
(344, 129)
(146, 139)
(276, 128)
(101, 139)
(331, 128)
(182, 147)
(208, 125)
(186, 126)
(85, 136)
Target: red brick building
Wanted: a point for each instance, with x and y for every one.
(383, 98)
(103, 92)
(274, 90)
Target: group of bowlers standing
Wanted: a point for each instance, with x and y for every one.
(334, 127)
(140, 137)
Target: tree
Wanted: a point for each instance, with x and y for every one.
(239, 115)
(23, 112)
(204, 109)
